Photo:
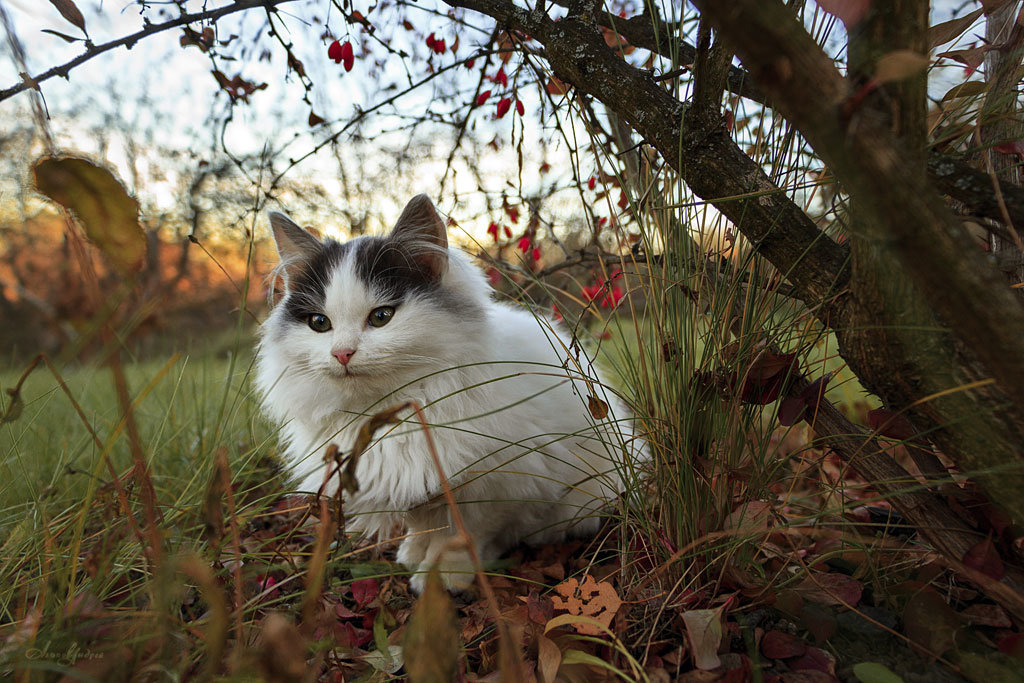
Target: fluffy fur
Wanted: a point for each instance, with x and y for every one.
(501, 388)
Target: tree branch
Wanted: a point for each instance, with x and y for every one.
(130, 40)
(709, 161)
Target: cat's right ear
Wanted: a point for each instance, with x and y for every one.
(295, 245)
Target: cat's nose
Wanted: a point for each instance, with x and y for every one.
(344, 355)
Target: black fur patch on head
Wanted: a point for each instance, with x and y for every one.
(390, 269)
(307, 291)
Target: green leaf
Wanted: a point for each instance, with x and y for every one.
(580, 657)
(432, 636)
(109, 215)
(872, 672)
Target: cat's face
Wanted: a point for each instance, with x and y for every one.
(368, 310)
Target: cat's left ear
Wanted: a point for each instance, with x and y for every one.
(295, 245)
(422, 230)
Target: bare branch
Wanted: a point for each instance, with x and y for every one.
(129, 41)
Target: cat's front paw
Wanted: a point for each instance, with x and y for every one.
(455, 569)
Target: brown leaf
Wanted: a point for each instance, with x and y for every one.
(556, 87)
(363, 439)
(15, 406)
(930, 622)
(314, 120)
(432, 636)
(991, 6)
(948, 30)
(549, 657)
(779, 645)
(704, 633)
(899, 65)
(984, 558)
(109, 215)
(69, 11)
(831, 589)
(63, 36)
(890, 424)
(598, 408)
(599, 601)
(971, 57)
(283, 651)
(987, 615)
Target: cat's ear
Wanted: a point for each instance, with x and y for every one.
(295, 245)
(421, 230)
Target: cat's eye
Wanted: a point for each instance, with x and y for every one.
(318, 322)
(379, 317)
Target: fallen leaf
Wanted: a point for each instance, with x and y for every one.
(872, 672)
(984, 558)
(598, 601)
(108, 214)
(831, 589)
(779, 645)
(930, 622)
(987, 615)
(431, 646)
(704, 633)
(549, 658)
(814, 659)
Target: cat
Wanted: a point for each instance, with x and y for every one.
(367, 324)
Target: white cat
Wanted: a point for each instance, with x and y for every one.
(368, 324)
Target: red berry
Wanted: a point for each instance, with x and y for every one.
(500, 78)
(482, 97)
(492, 229)
(536, 253)
(430, 41)
(524, 244)
(334, 52)
(439, 46)
(503, 107)
(520, 108)
(592, 183)
(470, 63)
(508, 232)
(347, 56)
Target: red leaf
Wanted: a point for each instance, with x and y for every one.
(1015, 147)
(503, 106)
(536, 253)
(482, 97)
(556, 87)
(508, 232)
(407, 25)
(520, 109)
(831, 589)
(334, 52)
(890, 424)
(791, 410)
(500, 78)
(439, 46)
(984, 558)
(849, 11)
(365, 591)
(813, 660)
(470, 63)
(430, 41)
(779, 645)
(492, 230)
(347, 56)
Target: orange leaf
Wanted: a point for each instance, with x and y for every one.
(599, 601)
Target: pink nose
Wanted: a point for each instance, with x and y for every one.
(344, 355)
